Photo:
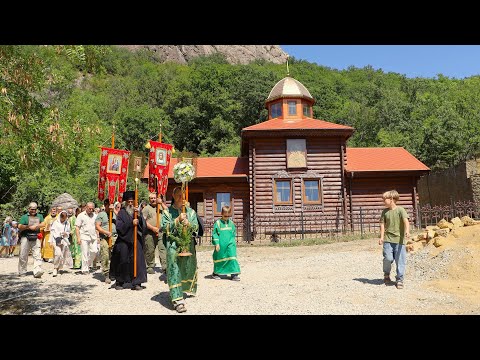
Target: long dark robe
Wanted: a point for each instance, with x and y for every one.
(141, 263)
(121, 265)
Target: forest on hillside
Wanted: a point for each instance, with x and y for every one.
(59, 103)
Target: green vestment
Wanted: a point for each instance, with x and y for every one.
(181, 270)
(225, 261)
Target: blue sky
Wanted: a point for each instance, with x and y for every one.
(454, 61)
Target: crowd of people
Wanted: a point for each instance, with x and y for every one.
(78, 239)
(125, 243)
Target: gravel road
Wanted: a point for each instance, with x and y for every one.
(338, 278)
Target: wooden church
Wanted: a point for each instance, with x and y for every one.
(296, 172)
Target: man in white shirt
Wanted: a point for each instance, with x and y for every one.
(87, 236)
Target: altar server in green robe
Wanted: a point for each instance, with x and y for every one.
(225, 252)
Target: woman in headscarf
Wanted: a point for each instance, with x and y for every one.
(59, 233)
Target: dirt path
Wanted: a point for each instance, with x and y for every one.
(340, 278)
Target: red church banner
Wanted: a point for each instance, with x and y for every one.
(159, 162)
(113, 170)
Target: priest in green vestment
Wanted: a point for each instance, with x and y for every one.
(181, 270)
(225, 252)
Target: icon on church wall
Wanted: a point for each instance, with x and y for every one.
(296, 153)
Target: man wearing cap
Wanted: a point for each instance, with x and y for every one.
(121, 265)
(29, 226)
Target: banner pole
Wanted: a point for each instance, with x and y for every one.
(135, 232)
(110, 210)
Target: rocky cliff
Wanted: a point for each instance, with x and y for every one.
(235, 54)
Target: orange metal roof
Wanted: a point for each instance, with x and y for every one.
(382, 159)
(358, 159)
(306, 123)
(214, 167)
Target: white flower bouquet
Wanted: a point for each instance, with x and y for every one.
(183, 172)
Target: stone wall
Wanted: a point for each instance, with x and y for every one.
(458, 183)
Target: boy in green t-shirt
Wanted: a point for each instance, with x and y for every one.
(394, 229)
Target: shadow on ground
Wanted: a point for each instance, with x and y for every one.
(372, 281)
(164, 299)
(26, 295)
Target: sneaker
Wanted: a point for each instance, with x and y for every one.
(39, 274)
(137, 287)
(235, 278)
(180, 308)
(150, 271)
(55, 272)
(216, 277)
(50, 260)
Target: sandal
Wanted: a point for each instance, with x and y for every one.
(387, 280)
(180, 308)
(399, 285)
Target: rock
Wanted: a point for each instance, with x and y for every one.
(468, 221)
(234, 54)
(443, 224)
(421, 237)
(66, 201)
(432, 227)
(409, 242)
(457, 222)
(439, 241)
(430, 234)
(442, 232)
(409, 247)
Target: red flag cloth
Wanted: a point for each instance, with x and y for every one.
(159, 162)
(113, 170)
